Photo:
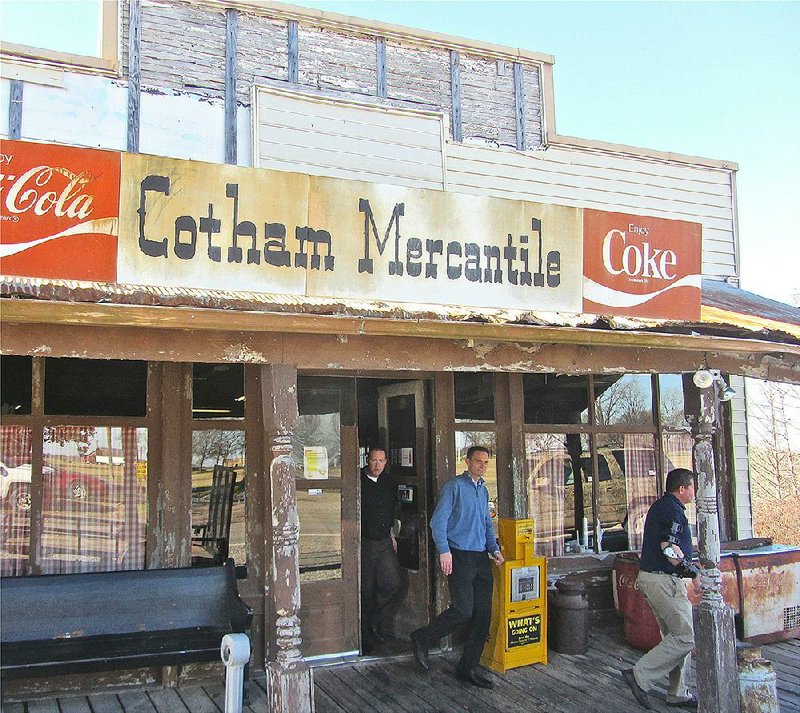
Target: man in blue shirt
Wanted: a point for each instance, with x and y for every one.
(462, 531)
(667, 540)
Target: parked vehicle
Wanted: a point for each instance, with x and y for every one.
(59, 485)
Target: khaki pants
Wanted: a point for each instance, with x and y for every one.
(667, 597)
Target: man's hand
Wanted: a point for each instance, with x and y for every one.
(677, 550)
(446, 563)
(394, 543)
(498, 558)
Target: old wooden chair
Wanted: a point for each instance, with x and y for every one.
(213, 536)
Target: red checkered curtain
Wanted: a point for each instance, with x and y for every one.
(546, 492)
(94, 504)
(134, 499)
(677, 447)
(640, 483)
(15, 489)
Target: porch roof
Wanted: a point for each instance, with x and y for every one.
(732, 320)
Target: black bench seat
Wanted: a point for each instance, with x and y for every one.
(74, 623)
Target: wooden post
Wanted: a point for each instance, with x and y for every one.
(715, 637)
(289, 679)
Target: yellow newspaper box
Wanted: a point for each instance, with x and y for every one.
(518, 635)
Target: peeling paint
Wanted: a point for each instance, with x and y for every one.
(239, 353)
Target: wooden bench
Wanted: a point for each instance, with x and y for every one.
(74, 623)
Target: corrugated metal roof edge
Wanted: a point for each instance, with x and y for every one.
(73, 291)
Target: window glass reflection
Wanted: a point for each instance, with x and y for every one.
(94, 499)
(320, 514)
(623, 400)
(549, 470)
(316, 441)
(15, 499)
(626, 487)
(677, 453)
(464, 441)
(218, 497)
(670, 387)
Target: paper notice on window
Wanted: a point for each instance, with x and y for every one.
(315, 462)
(407, 457)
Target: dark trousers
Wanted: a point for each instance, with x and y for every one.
(470, 586)
(380, 581)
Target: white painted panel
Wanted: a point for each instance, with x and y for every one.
(244, 136)
(88, 111)
(183, 126)
(741, 463)
(348, 140)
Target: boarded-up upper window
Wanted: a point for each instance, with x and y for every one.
(322, 137)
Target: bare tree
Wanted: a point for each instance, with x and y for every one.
(774, 453)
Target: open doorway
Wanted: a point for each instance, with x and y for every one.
(393, 415)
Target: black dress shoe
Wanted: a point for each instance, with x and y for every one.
(420, 651)
(638, 692)
(691, 703)
(475, 678)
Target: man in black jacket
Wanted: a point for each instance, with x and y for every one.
(667, 543)
(380, 571)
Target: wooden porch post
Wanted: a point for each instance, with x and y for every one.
(715, 637)
(289, 679)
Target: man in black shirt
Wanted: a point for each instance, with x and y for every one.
(667, 540)
(380, 571)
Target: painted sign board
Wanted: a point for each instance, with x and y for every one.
(639, 266)
(59, 209)
(83, 214)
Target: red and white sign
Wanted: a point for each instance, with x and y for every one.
(59, 211)
(638, 266)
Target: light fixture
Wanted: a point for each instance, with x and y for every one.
(703, 379)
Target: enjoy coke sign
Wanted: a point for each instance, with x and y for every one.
(59, 211)
(638, 266)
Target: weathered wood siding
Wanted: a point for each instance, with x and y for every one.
(183, 51)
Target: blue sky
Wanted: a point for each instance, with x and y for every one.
(711, 79)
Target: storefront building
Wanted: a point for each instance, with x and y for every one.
(266, 238)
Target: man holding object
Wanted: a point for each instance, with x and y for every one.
(666, 561)
(462, 531)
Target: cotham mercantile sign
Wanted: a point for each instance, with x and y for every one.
(99, 215)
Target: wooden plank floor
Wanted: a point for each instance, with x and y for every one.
(588, 683)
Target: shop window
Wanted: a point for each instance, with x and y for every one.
(83, 387)
(625, 400)
(15, 385)
(320, 514)
(94, 499)
(560, 492)
(15, 499)
(218, 391)
(676, 451)
(316, 456)
(670, 388)
(218, 496)
(626, 494)
(464, 441)
(555, 398)
(474, 396)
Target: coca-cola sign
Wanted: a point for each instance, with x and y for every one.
(639, 266)
(59, 211)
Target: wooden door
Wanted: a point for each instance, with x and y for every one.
(326, 466)
(403, 426)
